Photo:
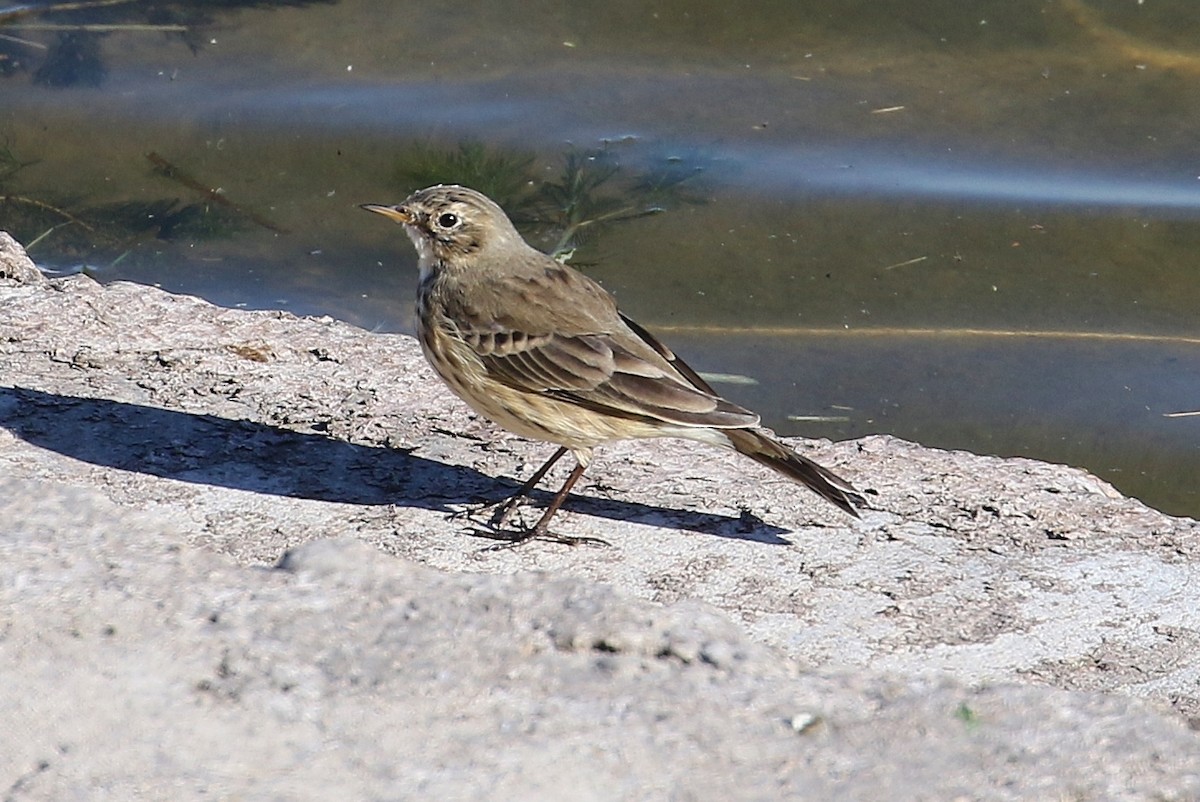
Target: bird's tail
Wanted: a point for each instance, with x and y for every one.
(775, 455)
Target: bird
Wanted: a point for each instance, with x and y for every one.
(541, 349)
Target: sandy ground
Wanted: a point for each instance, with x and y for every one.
(228, 571)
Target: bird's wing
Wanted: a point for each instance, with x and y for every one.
(576, 346)
(683, 368)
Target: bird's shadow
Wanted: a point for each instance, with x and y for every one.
(261, 458)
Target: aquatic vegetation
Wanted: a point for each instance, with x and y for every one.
(10, 165)
(501, 175)
(593, 190)
(62, 229)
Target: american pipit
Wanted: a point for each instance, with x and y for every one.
(542, 350)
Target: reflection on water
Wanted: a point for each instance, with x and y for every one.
(858, 165)
(61, 43)
(853, 171)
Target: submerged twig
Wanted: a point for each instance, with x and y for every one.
(98, 27)
(615, 216)
(906, 263)
(727, 378)
(63, 213)
(171, 171)
(29, 246)
(26, 42)
(16, 12)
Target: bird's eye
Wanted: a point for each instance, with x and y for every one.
(447, 220)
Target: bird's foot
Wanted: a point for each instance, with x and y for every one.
(514, 538)
(501, 510)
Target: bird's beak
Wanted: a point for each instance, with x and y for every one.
(397, 213)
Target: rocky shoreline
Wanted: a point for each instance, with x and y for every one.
(227, 571)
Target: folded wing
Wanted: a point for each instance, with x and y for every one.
(596, 357)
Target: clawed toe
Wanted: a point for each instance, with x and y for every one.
(514, 538)
(501, 510)
(494, 528)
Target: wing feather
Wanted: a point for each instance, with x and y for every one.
(586, 353)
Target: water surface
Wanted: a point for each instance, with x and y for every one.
(973, 225)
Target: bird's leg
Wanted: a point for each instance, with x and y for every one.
(542, 527)
(541, 530)
(505, 507)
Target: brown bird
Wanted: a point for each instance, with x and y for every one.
(542, 350)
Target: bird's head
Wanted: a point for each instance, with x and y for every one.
(449, 223)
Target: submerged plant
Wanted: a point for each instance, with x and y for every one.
(10, 165)
(591, 192)
(67, 229)
(504, 177)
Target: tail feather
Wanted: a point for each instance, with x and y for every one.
(775, 455)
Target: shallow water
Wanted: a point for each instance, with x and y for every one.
(973, 227)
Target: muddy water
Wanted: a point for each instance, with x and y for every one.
(974, 225)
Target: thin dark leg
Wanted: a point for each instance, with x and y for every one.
(542, 527)
(503, 508)
(509, 504)
(541, 530)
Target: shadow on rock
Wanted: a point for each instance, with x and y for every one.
(260, 458)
